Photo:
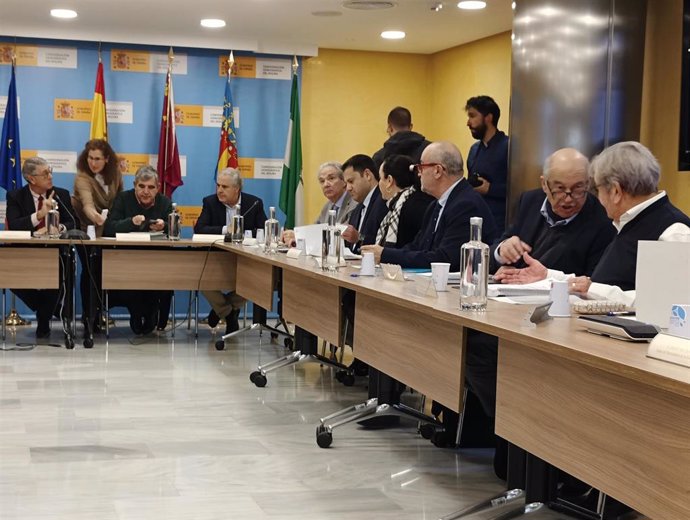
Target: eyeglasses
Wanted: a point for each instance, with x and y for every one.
(419, 167)
(559, 194)
(47, 173)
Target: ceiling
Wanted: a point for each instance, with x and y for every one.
(268, 26)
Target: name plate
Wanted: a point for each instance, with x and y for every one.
(133, 237)
(671, 349)
(293, 252)
(15, 234)
(199, 237)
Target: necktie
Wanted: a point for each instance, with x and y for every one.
(42, 222)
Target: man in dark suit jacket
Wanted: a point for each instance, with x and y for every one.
(362, 178)
(26, 211)
(446, 223)
(216, 215)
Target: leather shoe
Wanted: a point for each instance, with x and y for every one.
(150, 322)
(43, 329)
(135, 323)
(212, 319)
(232, 323)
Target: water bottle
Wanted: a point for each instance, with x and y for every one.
(174, 223)
(237, 226)
(53, 222)
(331, 244)
(474, 266)
(271, 232)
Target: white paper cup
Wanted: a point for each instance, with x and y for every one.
(302, 244)
(439, 275)
(368, 267)
(560, 298)
(260, 236)
(248, 233)
(91, 232)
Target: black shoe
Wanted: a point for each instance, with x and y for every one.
(150, 322)
(43, 329)
(212, 319)
(135, 323)
(380, 423)
(232, 323)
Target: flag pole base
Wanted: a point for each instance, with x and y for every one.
(13, 319)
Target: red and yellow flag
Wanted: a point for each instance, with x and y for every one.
(227, 153)
(99, 123)
(169, 170)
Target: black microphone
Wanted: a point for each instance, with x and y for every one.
(251, 207)
(228, 236)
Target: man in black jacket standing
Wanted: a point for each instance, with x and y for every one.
(26, 211)
(216, 215)
(401, 139)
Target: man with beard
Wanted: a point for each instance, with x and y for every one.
(487, 161)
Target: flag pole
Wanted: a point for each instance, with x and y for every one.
(13, 318)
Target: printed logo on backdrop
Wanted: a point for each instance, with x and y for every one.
(122, 60)
(80, 110)
(271, 169)
(131, 162)
(256, 68)
(60, 162)
(199, 115)
(189, 214)
(3, 107)
(39, 56)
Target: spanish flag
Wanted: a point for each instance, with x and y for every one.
(99, 124)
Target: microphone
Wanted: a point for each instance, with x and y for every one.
(251, 207)
(75, 233)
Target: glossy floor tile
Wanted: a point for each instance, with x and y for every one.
(161, 428)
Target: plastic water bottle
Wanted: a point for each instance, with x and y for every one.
(331, 244)
(237, 226)
(271, 232)
(53, 222)
(474, 266)
(174, 223)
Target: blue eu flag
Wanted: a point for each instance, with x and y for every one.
(10, 161)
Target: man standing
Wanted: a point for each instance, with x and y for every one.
(141, 209)
(401, 139)
(487, 161)
(216, 216)
(362, 179)
(26, 211)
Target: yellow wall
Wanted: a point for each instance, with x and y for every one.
(346, 97)
(661, 96)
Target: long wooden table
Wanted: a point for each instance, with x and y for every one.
(595, 407)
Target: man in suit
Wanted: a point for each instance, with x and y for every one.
(333, 186)
(446, 223)
(216, 215)
(26, 211)
(362, 179)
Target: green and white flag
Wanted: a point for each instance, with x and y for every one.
(291, 186)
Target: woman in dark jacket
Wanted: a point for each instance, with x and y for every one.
(406, 202)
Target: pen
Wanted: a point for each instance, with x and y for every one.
(621, 313)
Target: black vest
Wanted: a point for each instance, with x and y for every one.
(618, 264)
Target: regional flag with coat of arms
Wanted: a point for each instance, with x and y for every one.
(227, 151)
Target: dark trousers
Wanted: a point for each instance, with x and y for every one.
(481, 360)
(44, 302)
(90, 282)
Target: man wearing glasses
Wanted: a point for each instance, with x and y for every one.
(26, 211)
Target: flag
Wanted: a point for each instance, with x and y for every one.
(169, 171)
(227, 152)
(99, 123)
(291, 185)
(10, 160)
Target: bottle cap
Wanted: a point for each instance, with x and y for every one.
(476, 220)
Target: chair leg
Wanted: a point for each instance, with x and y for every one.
(107, 315)
(172, 311)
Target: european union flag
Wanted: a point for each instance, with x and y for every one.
(10, 161)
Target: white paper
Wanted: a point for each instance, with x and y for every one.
(500, 289)
(206, 238)
(133, 237)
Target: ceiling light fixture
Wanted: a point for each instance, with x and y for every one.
(472, 4)
(393, 35)
(63, 13)
(212, 23)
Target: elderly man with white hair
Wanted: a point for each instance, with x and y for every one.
(216, 214)
(626, 177)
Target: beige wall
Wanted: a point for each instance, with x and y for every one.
(661, 95)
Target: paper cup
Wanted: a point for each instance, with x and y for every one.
(368, 267)
(560, 308)
(439, 275)
(91, 232)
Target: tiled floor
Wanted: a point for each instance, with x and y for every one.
(153, 428)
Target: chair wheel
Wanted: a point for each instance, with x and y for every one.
(69, 343)
(427, 430)
(258, 379)
(348, 379)
(324, 438)
(88, 343)
(443, 439)
(289, 343)
(220, 344)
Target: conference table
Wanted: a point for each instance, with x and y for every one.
(594, 407)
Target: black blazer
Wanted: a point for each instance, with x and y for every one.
(580, 244)
(453, 230)
(212, 218)
(412, 217)
(20, 207)
(372, 219)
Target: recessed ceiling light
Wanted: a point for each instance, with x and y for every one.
(212, 23)
(393, 35)
(472, 4)
(368, 5)
(63, 13)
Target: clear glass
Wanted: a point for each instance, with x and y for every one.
(53, 222)
(331, 244)
(174, 223)
(271, 232)
(474, 266)
(236, 230)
